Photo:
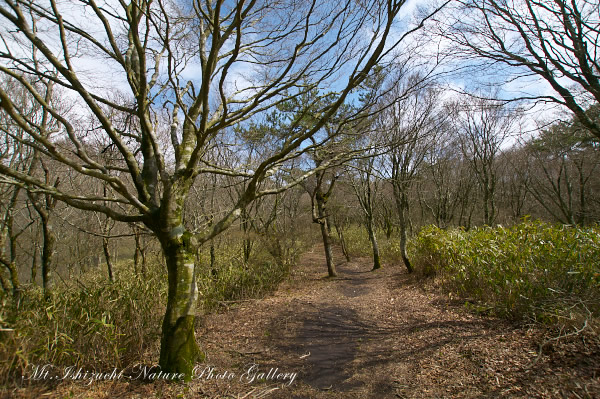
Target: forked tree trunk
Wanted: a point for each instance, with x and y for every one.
(322, 220)
(179, 351)
(48, 243)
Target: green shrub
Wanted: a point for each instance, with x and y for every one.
(357, 241)
(233, 279)
(90, 322)
(359, 245)
(531, 269)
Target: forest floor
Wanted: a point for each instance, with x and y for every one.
(365, 334)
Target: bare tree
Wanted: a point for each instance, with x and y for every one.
(484, 126)
(17, 156)
(276, 221)
(366, 185)
(445, 184)
(341, 221)
(515, 182)
(562, 162)
(320, 189)
(410, 124)
(9, 234)
(44, 205)
(189, 72)
(555, 41)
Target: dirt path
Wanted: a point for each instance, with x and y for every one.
(364, 335)
(380, 335)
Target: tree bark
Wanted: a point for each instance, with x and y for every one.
(179, 350)
(320, 216)
(327, 246)
(136, 253)
(14, 279)
(402, 204)
(213, 256)
(109, 265)
(44, 206)
(247, 242)
(34, 263)
(323, 222)
(48, 251)
(140, 252)
(4, 283)
(8, 260)
(340, 233)
(374, 245)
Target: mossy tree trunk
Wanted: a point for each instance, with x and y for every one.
(179, 351)
(4, 283)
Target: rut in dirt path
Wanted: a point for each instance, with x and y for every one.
(332, 329)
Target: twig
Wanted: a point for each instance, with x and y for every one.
(560, 336)
(244, 353)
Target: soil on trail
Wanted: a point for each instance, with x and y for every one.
(364, 334)
(381, 334)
